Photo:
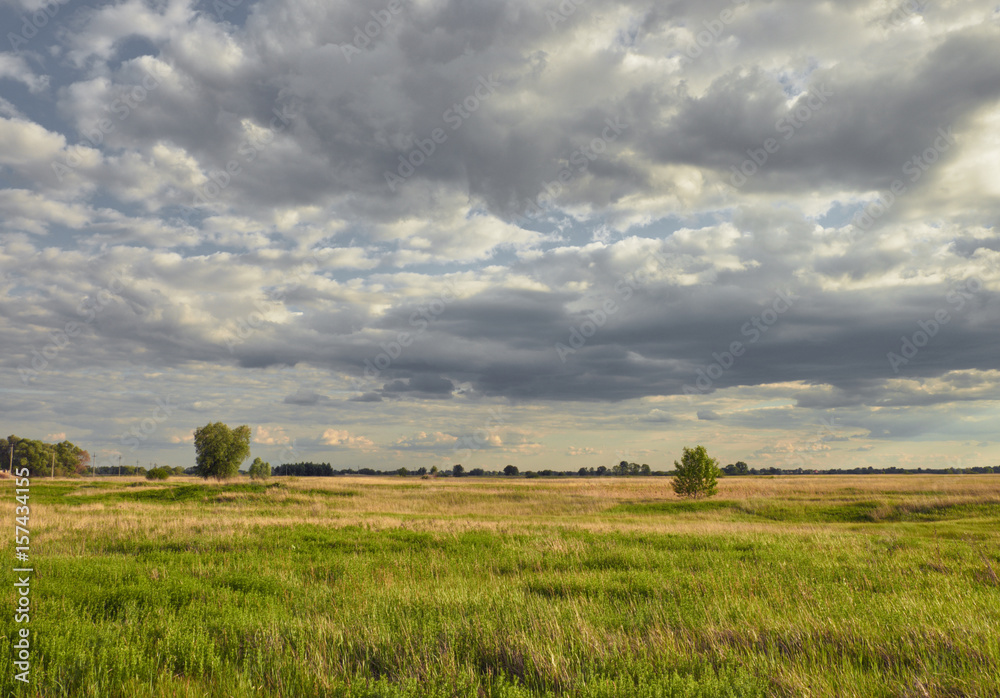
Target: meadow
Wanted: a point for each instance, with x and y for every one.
(363, 587)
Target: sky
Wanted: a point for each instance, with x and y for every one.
(549, 234)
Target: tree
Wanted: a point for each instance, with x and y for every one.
(220, 450)
(458, 470)
(510, 470)
(158, 473)
(41, 458)
(737, 468)
(434, 470)
(259, 469)
(403, 472)
(646, 470)
(695, 474)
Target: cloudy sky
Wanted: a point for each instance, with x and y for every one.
(426, 232)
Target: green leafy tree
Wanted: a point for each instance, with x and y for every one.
(259, 470)
(737, 468)
(41, 458)
(402, 472)
(458, 470)
(158, 473)
(510, 470)
(696, 474)
(220, 450)
(646, 470)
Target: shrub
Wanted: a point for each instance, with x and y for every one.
(696, 474)
(259, 470)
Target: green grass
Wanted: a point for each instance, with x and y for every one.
(297, 589)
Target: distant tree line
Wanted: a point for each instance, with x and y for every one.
(622, 469)
(977, 470)
(40, 458)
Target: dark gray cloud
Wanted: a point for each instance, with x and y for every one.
(203, 205)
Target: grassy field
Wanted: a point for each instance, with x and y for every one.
(793, 586)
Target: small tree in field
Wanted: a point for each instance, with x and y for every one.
(220, 450)
(259, 469)
(695, 474)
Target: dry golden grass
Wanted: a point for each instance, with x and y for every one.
(464, 504)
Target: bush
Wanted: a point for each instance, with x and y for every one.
(161, 473)
(259, 470)
(696, 474)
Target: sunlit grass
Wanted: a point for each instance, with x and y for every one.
(866, 585)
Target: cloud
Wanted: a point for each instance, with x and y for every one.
(423, 440)
(344, 439)
(658, 415)
(15, 67)
(270, 436)
(202, 197)
(303, 396)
